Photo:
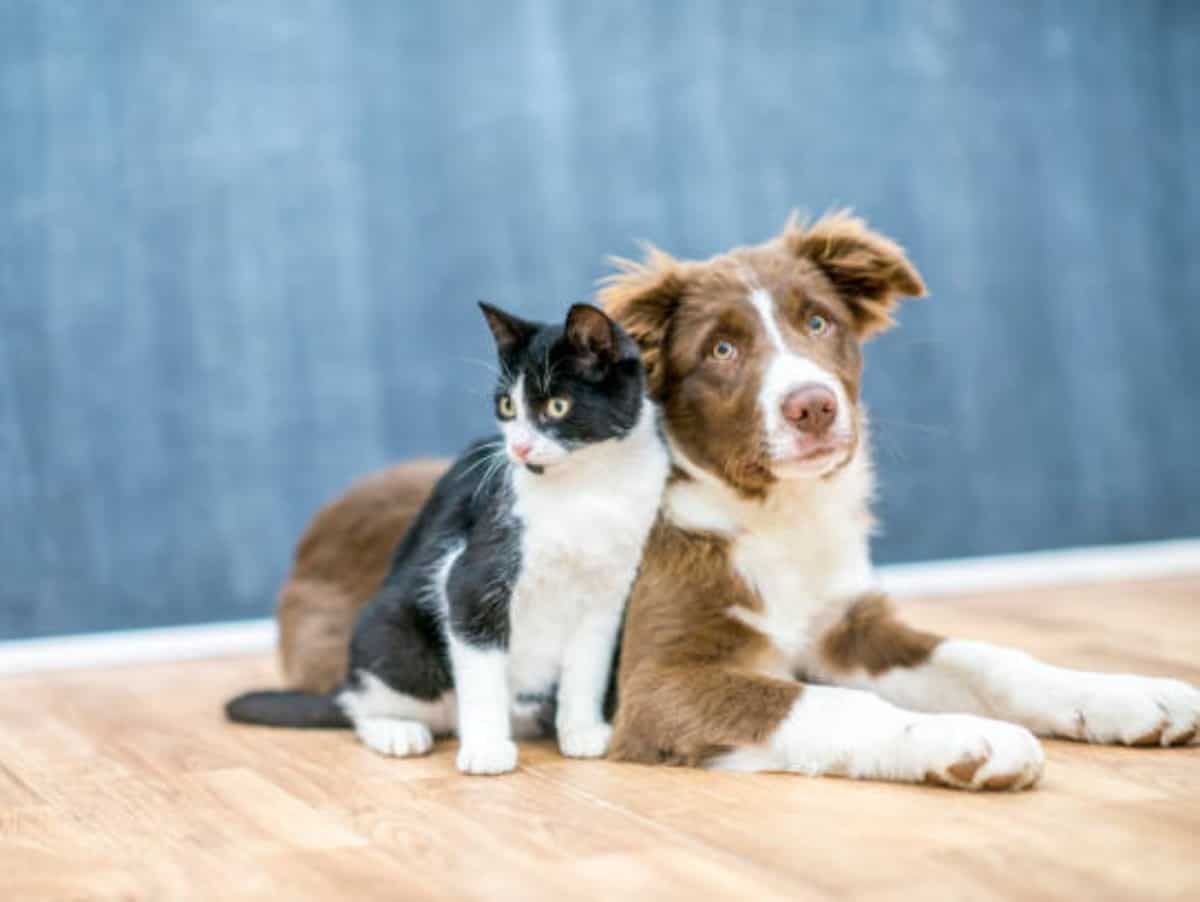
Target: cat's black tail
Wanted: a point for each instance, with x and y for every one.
(286, 708)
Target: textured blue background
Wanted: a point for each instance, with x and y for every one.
(240, 244)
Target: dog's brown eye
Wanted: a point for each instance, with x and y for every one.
(724, 350)
(817, 324)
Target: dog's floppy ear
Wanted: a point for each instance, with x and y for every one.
(643, 297)
(869, 271)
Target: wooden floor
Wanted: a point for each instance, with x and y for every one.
(127, 784)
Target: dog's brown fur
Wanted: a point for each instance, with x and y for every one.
(699, 683)
(870, 637)
(342, 559)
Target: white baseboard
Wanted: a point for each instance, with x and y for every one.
(926, 579)
(115, 649)
(1101, 563)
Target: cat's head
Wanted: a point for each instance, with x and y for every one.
(563, 388)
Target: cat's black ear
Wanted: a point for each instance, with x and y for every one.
(511, 332)
(592, 333)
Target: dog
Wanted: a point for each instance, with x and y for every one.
(756, 637)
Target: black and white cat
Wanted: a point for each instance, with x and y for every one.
(501, 612)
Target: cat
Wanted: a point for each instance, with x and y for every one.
(500, 616)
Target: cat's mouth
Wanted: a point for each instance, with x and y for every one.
(535, 469)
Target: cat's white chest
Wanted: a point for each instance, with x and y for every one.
(581, 545)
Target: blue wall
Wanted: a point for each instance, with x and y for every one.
(240, 244)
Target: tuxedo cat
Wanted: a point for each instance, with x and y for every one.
(501, 612)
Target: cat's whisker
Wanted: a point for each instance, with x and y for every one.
(486, 451)
(498, 462)
(488, 365)
(931, 428)
(553, 373)
(547, 374)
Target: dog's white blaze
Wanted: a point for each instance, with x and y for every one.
(788, 371)
(765, 305)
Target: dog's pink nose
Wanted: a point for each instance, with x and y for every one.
(520, 450)
(810, 408)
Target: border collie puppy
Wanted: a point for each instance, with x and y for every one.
(757, 637)
(501, 612)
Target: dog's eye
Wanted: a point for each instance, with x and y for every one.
(817, 324)
(506, 407)
(724, 350)
(556, 408)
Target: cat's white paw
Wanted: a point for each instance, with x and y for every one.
(968, 752)
(393, 736)
(487, 757)
(1134, 710)
(585, 741)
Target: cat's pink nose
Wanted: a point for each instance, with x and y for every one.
(520, 450)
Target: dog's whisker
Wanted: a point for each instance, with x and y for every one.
(907, 424)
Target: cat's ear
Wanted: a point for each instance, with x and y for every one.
(511, 332)
(591, 333)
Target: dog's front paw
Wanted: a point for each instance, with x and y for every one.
(497, 757)
(586, 741)
(1134, 710)
(967, 752)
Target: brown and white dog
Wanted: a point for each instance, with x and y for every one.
(756, 637)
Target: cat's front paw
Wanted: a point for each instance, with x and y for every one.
(1135, 710)
(487, 757)
(585, 741)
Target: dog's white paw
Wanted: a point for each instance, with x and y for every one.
(393, 736)
(1133, 710)
(586, 741)
(498, 757)
(968, 752)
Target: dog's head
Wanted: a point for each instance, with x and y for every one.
(755, 355)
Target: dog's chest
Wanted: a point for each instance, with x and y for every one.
(803, 582)
(804, 556)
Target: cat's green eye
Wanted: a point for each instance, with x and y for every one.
(557, 408)
(507, 406)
